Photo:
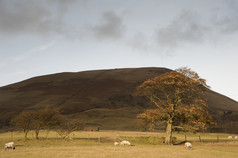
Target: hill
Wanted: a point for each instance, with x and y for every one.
(102, 97)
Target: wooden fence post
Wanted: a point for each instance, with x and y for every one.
(200, 138)
(99, 139)
(12, 136)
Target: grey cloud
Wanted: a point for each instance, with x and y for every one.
(227, 25)
(232, 4)
(185, 28)
(139, 42)
(188, 27)
(226, 19)
(110, 26)
(63, 5)
(31, 16)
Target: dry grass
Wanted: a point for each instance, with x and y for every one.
(108, 150)
(87, 145)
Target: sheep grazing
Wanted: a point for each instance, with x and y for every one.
(116, 143)
(229, 137)
(9, 145)
(236, 137)
(188, 145)
(124, 142)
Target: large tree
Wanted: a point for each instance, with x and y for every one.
(179, 99)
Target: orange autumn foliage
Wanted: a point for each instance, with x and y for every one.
(179, 99)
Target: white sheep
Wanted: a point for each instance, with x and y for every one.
(9, 145)
(236, 137)
(124, 142)
(188, 145)
(116, 143)
(229, 137)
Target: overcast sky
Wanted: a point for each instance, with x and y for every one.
(39, 37)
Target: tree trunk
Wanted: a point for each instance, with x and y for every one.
(168, 138)
(26, 132)
(47, 132)
(37, 133)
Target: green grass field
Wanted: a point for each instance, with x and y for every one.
(100, 145)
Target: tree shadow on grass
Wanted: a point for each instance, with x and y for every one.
(179, 143)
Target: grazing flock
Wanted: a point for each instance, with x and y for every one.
(231, 137)
(188, 145)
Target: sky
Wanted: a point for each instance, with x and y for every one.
(52, 36)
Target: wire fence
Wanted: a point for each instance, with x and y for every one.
(141, 138)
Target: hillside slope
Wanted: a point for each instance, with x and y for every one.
(103, 96)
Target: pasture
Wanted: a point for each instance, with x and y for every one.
(100, 145)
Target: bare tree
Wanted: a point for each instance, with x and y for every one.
(24, 121)
(68, 126)
(45, 119)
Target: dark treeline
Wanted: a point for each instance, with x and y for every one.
(45, 119)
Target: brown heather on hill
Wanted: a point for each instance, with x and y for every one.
(102, 97)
